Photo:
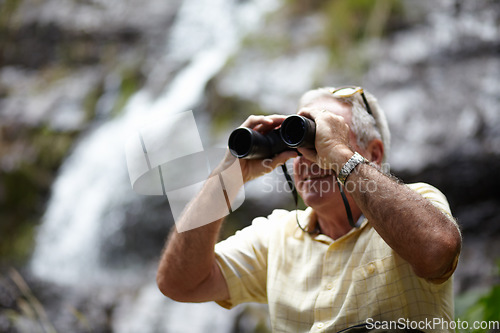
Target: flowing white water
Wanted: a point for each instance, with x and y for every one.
(93, 183)
(94, 177)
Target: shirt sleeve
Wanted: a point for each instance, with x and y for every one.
(242, 259)
(438, 199)
(435, 196)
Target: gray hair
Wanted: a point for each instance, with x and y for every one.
(366, 127)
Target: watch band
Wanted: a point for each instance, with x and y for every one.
(349, 166)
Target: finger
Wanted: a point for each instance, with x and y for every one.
(263, 123)
(254, 121)
(310, 113)
(275, 121)
(277, 117)
(308, 153)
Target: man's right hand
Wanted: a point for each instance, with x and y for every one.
(252, 169)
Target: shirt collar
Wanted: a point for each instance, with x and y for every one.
(309, 221)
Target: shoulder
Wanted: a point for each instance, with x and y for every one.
(280, 223)
(276, 220)
(434, 195)
(425, 189)
(259, 231)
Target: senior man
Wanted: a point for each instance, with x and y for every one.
(317, 271)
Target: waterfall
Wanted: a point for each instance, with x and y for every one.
(93, 186)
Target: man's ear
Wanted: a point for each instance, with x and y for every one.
(376, 151)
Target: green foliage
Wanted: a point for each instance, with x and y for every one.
(50, 147)
(344, 25)
(27, 309)
(7, 8)
(24, 188)
(131, 81)
(350, 22)
(90, 101)
(17, 208)
(224, 110)
(482, 307)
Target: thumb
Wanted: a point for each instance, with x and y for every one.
(283, 157)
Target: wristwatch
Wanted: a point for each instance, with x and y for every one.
(349, 166)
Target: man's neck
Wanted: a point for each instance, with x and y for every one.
(333, 220)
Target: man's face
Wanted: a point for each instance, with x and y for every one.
(317, 186)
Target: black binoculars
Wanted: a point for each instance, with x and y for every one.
(295, 131)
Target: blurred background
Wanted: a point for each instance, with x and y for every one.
(78, 248)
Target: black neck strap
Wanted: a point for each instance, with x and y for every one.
(291, 185)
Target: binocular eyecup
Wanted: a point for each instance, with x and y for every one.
(295, 131)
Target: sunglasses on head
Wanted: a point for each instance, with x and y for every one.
(349, 91)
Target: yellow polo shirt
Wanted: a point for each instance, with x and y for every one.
(313, 283)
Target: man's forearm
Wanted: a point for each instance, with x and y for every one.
(188, 260)
(188, 270)
(417, 230)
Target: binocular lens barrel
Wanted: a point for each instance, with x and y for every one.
(240, 142)
(298, 131)
(247, 143)
(295, 131)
